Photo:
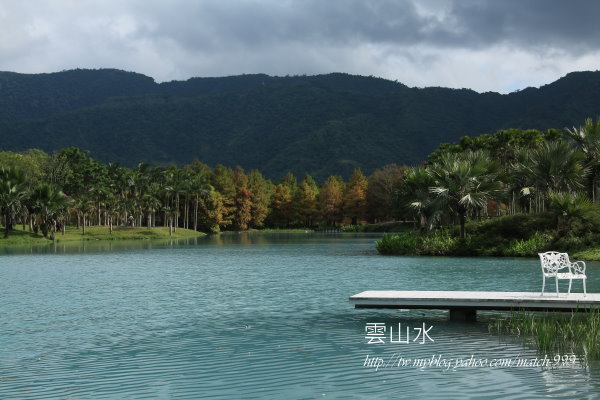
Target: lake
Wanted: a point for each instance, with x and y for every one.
(261, 316)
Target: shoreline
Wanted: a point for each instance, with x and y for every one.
(19, 237)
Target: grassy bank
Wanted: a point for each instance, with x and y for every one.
(522, 235)
(555, 333)
(18, 236)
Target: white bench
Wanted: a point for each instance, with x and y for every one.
(557, 265)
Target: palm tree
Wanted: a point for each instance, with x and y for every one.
(568, 207)
(49, 202)
(112, 210)
(588, 139)
(521, 186)
(199, 187)
(83, 206)
(553, 167)
(415, 194)
(150, 204)
(12, 192)
(464, 183)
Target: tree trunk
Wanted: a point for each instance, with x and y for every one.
(196, 214)
(176, 225)
(6, 226)
(185, 212)
(422, 223)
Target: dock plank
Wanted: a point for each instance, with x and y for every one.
(450, 300)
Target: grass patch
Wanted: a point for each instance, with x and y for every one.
(556, 333)
(591, 254)
(18, 236)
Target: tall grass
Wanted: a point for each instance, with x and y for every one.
(577, 332)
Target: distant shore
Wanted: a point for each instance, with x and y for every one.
(18, 236)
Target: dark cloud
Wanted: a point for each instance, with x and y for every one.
(486, 45)
(459, 23)
(561, 24)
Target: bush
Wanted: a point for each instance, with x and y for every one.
(518, 226)
(413, 243)
(537, 243)
(438, 244)
(402, 244)
(352, 228)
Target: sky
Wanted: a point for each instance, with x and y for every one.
(495, 45)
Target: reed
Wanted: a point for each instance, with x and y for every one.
(575, 332)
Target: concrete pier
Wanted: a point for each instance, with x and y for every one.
(463, 306)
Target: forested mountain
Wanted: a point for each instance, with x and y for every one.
(324, 124)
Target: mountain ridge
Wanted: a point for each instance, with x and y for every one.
(320, 124)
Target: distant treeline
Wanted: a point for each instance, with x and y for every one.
(507, 172)
(69, 187)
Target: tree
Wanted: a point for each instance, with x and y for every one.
(331, 199)
(13, 190)
(49, 203)
(587, 138)
(261, 190)
(243, 201)
(556, 166)
(381, 195)
(416, 195)
(213, 211)
(222, 181)
(355, 197)
(570, 207)
(305, 201)
(281, 206)
(464, 183)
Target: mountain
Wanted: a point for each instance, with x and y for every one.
(323, 124)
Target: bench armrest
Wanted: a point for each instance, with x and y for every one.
(578, 268)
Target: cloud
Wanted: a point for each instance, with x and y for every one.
(484, 45)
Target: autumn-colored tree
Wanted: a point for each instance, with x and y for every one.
(261, 190)
(305, 201)
(331, 199)
(222, 181)
(212, 211)
(281, 206)
(384, 185)
(355, 197)
(243, 201)
(291, 182)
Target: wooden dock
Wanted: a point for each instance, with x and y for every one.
(464, 305)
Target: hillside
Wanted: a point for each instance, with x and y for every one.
(324, 124)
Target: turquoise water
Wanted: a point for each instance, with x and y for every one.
(256, 316)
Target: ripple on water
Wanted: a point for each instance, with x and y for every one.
(263, 318)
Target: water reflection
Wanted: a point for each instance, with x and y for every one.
(220, 240)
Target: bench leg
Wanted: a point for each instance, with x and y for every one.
(570, 282)
(543, 284)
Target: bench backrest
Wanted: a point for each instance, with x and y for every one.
(553, 261)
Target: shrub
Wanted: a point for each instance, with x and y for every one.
(537, 243)
(402, 244)
(440, 243)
